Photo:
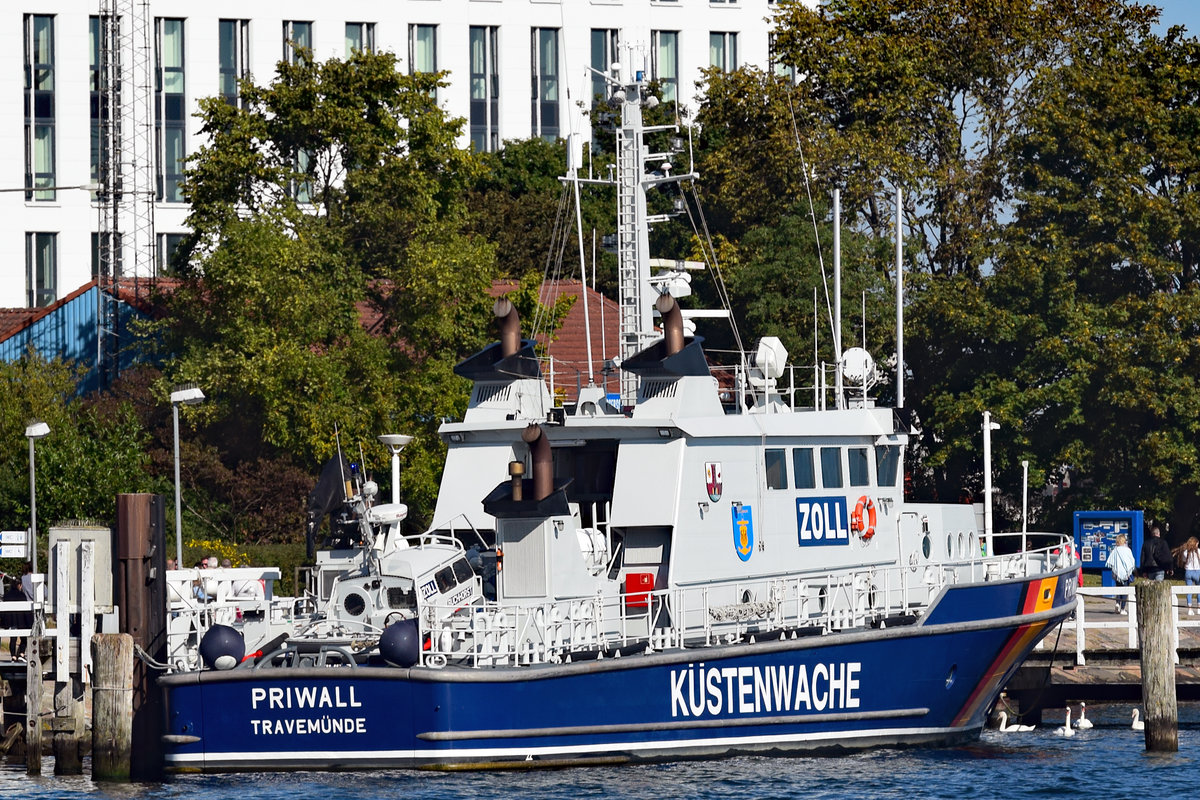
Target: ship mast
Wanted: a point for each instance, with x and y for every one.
(633, 222)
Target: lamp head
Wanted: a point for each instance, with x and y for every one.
(187, 395)
(395, 441)
(36, 429)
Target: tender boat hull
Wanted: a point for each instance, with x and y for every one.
(929, 683)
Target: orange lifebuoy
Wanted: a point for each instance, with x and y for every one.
(864, 528)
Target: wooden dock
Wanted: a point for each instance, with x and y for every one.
(1095, 657)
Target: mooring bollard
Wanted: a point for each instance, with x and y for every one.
(112, 706)
(1158, 665)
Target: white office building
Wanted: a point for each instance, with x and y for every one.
(516, 69)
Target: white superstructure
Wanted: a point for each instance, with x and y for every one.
(528, 59)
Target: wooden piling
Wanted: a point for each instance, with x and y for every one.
(1158, 665)
(112, 706)
(33, 698)
(68, 723)
(141, 597)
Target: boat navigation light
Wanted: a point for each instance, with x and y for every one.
(650, 102)
(618, 96)
(395, 442)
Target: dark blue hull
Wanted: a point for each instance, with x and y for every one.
(927, 683)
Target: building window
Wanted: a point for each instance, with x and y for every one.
(604, 54)
(233, 57)
(106, 250)
(168, 243)
(781, 69)
(99, 103)
(170, 108)
(360, 38)
(544, 72)
(39, 107)
(300, 186)
(831, 467)
(41, 269)
(297, 41)
(722, 51)
(422, 48)
(666, 63)
(485, 89)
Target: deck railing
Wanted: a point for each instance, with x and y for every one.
(704, 615)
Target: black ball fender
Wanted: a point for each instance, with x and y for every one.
(222, 647)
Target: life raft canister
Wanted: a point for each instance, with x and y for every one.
(864, 527)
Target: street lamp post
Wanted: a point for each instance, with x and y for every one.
(188, 395)
(36, 429)
(395, 442)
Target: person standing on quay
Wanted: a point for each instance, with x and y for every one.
(1120, 561)
(1156, 556)
(1187, 555)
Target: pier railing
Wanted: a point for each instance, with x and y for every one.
(1093, 621)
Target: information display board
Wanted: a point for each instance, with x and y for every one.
(1096, 536)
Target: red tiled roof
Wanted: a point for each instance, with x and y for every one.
(569, 349)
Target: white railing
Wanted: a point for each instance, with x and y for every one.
(706, 615)
(606, 624)
(1128, 623)
(19, 606)
(197, 599)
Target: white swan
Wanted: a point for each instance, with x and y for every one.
(1006, 728)
(1066, 730)
(1138, 725)
(1084, 723)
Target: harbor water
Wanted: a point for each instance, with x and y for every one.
(1107, 761)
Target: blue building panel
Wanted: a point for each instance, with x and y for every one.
(68, 330)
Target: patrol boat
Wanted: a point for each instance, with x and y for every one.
(711, 569)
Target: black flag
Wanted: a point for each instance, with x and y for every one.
(327, 495)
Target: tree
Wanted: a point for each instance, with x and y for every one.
(1100, 275)
(330, 283)
(926, 94)
(87, 459)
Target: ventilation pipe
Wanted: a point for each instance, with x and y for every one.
(510, 327)
(543, 462)
(672, 322)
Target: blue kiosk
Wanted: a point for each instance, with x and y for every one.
(1096, 536)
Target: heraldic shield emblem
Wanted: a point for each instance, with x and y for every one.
(712, 479)
(743, 531)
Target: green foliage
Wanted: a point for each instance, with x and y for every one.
(86, 460)
(927, 94)
(298, 324)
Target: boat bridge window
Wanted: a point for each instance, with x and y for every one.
(399, 597)
(831, 467)
(445, 579)
(776, 465)
(589, 472)
(802, 468)
(859, 471)
(887, 464)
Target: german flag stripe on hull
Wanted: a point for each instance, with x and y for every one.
(1039, 596)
